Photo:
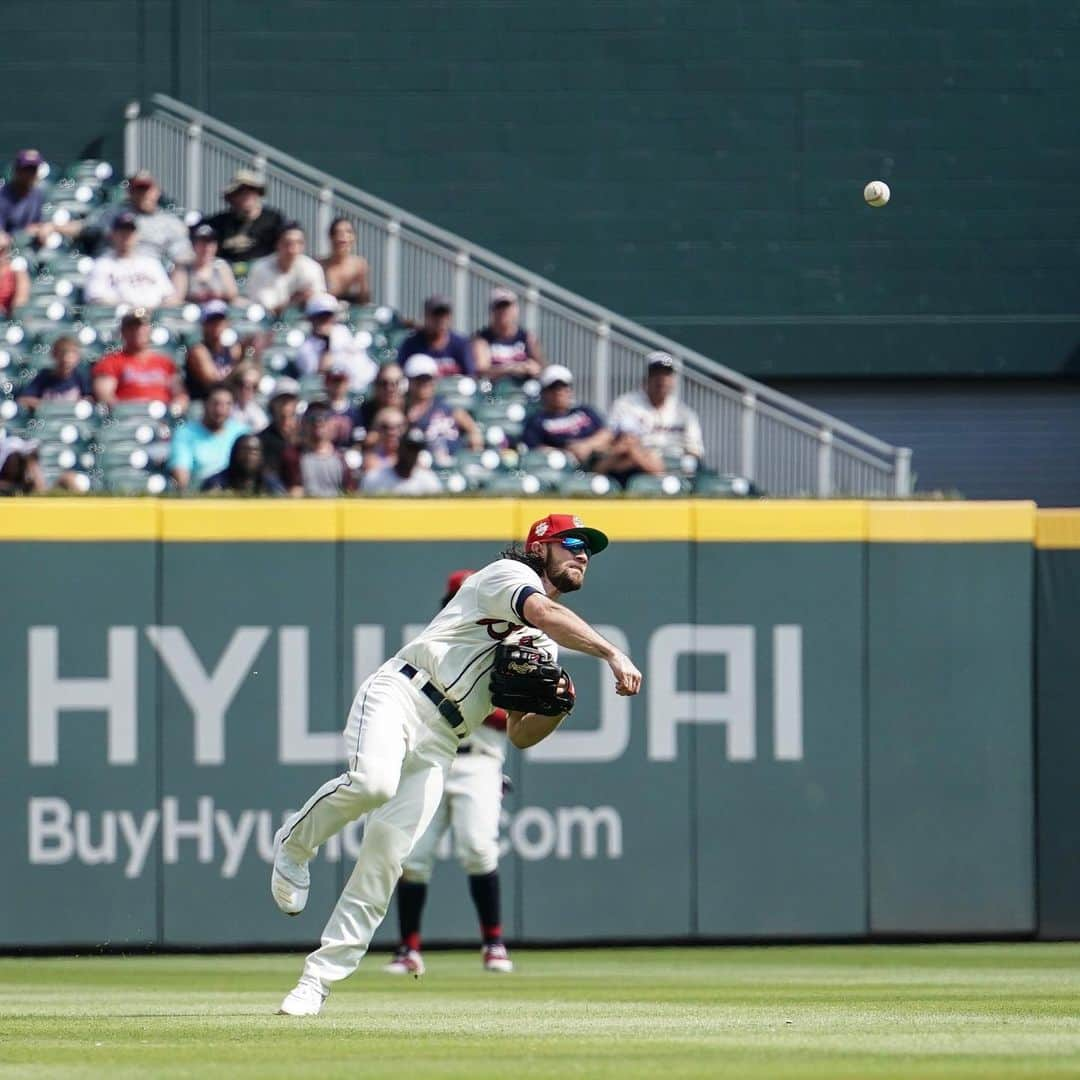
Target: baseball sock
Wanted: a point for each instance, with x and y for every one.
(410, 898)
(485, 895)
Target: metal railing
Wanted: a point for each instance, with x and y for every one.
(783, 446)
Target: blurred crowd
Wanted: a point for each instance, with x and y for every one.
(233, 410)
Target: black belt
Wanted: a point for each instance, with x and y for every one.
(448, 710)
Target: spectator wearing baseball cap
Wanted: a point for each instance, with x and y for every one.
(14, 280)
(655, 415)
(331, 343)
(21, 200)
(451, 351)
(122, 276)
(348, 276)
(248, 230)
(214, 357)
(209, 277)
(406, 476)
(135, 372)
(560, 424)
(345, 427)
(160, 235)
(288, 278)
(502, 349)
(444, 427)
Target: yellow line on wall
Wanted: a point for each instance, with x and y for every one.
(427, 519)
(624, 520)
(952, 523)
(225, 520)
(779, 520)
(68, 519)
(1057, 529)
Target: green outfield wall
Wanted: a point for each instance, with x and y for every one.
(836, 735)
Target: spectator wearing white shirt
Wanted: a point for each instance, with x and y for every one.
(332, 344)
(288, 278)
(406, 476)
(656, 416)
(123, 277)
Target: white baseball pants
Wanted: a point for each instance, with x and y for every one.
(470, 806)
(400, 750)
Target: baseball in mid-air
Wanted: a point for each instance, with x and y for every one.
(877, 193)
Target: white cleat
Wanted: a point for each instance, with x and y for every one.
(306, 1000)
(289, 880)
(496, 958)
(406, 962)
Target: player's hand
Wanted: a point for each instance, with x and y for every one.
(627, 677)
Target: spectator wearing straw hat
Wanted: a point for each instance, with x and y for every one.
(248, 230)
(503, 349)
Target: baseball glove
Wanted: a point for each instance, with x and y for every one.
(524, 680)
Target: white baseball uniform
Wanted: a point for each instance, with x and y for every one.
(400, 749)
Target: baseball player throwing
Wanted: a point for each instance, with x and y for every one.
(494, 645)
(470, 807)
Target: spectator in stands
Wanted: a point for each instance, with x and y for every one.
(386, 432)
(201, 448)
(345, 427)
(248, 230)
(347, 274)
(135, 372)
(560, 424)
(243, 381)
(14, 280)
(21, 200)
(158, 234)
(20, 472)
(387, 390)
(406, 476)
(323, 469)
(209, 277)
(65, 381)
(331, 344)
(443, 426)
(281, 436)
(123, 277)
(664, 425)
(213, 358)
(503, 350)
(451, 351)
(288, 278)
(246, 473)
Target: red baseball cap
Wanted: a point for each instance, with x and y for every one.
(556, 526)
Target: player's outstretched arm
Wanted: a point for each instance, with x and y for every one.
(573, 632)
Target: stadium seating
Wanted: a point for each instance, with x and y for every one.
(125, 448)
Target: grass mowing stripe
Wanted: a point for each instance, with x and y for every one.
(813, 1012)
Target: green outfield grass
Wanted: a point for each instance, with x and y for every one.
(810, 1011)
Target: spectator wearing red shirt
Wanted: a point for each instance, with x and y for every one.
(135, 372)
(14, 280)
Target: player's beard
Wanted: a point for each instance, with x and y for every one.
(559, 577)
